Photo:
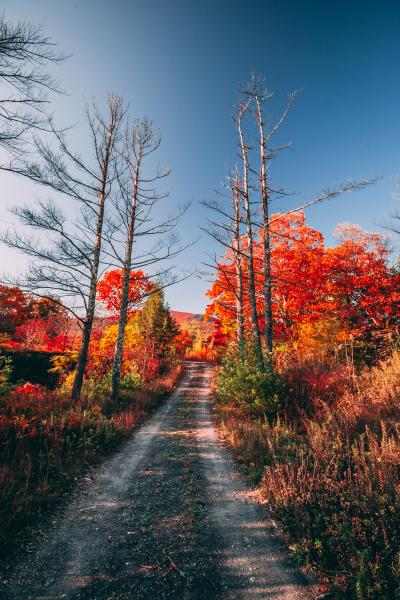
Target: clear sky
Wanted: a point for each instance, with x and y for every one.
(180, 61)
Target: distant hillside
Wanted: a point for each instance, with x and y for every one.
(100, 322)
(193, 322)
(182, 317)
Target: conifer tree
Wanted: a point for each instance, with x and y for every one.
(157, 327)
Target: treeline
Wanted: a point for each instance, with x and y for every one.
(342, 300)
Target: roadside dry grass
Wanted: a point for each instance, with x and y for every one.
(330, 470)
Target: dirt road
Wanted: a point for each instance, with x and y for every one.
(167, 516)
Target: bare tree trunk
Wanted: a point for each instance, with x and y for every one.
(115, 115)
(238, 262)
(82, 359)
(91, 306)
(266, 232)
(123, 315)
(119, 345)
(134, 204)
(250, 254)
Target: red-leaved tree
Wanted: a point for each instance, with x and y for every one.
(109, 290)
(352, 283)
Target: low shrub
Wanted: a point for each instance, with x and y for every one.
(241, 383)
(131, 379)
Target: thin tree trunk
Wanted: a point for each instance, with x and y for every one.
(250, 255)
(82, 359)
(136, 221)
(239, 303)
(238, 264)
(91, 305)
(266, 234)
(119, 344)
(123, 314)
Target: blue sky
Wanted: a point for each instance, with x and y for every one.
(180, 62)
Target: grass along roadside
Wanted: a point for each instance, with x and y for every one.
(331, 471)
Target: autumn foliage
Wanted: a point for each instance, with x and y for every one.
(14, 308)
(48, 440)
(109, 289)
(31, 323)
(320, 296)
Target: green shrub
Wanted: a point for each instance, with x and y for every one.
(132, 380)
(241, 382)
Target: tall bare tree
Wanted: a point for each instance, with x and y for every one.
(259, 95)
(235, 186)
(135, 202)
(245, 192)
(68, 263)
(228, 232)
(256, 217)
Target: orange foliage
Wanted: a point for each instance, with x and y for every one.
(350, 285)
(183, 341)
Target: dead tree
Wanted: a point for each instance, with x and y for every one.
(257, 217)
(228, 232)
(135, 203)
(25, 83)
(245, 193)
(238, 256)
(68, 263)
(259, 95)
